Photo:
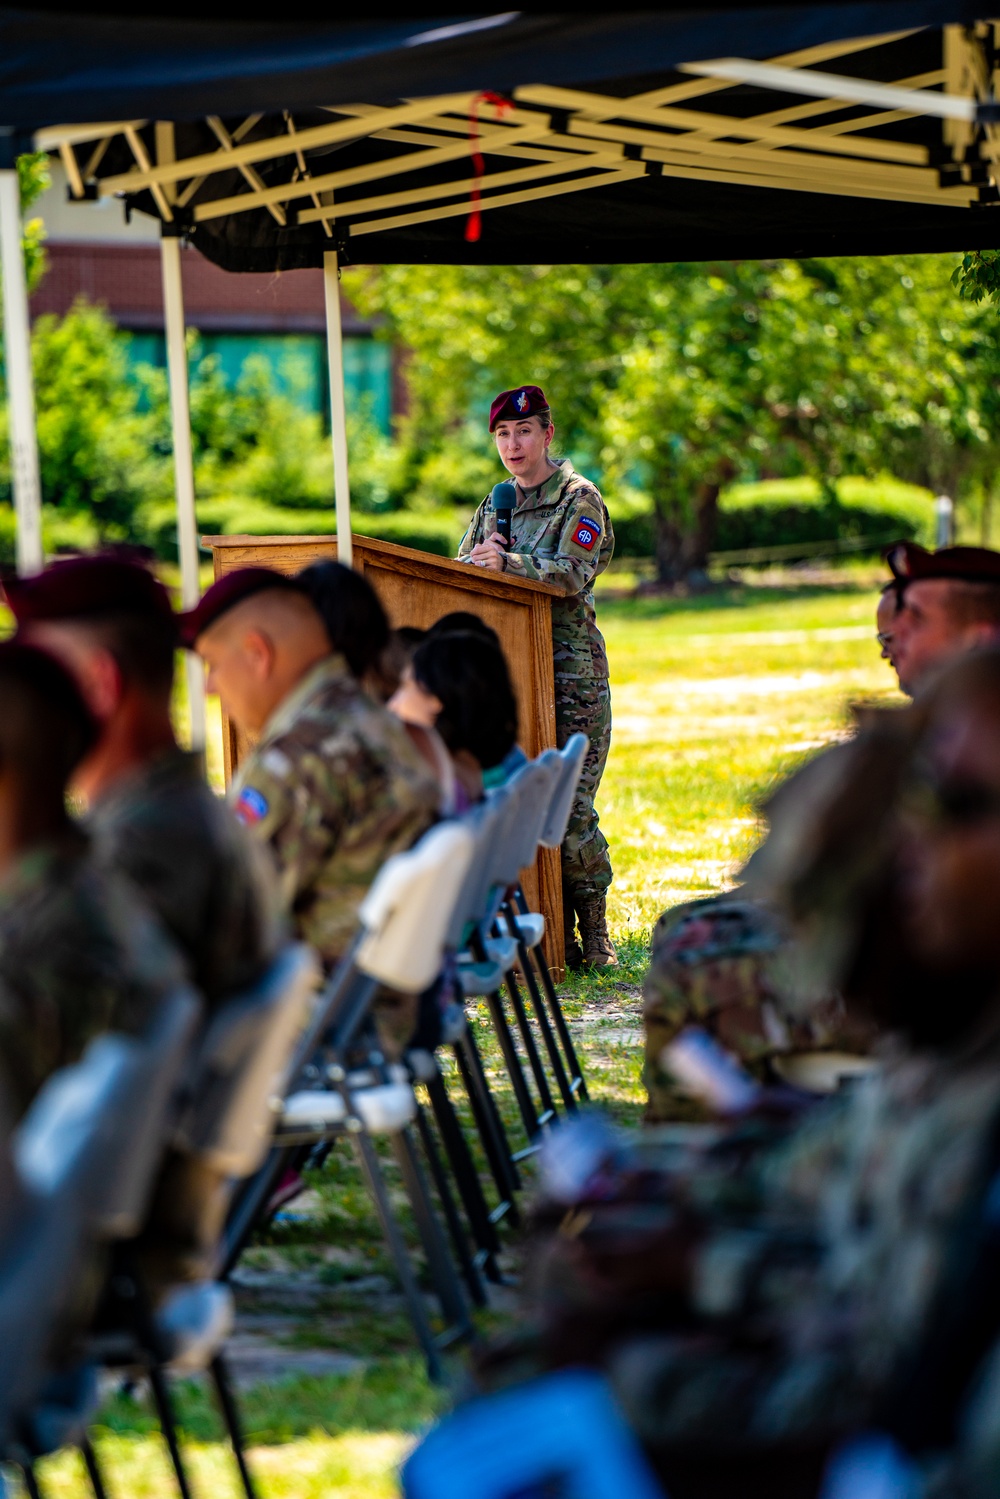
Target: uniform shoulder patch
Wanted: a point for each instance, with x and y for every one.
(251, 806)
(586, 533)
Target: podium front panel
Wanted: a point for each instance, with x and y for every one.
(417, 588)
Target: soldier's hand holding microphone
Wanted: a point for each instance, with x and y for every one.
(492, 553)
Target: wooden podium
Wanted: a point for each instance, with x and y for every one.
(417, 588)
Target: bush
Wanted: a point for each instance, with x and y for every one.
(790, 512)
(438, 532)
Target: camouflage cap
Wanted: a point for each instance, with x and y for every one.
(910, 563)
(82, 586)
(225, 593)
(514, 405)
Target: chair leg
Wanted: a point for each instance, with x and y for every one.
(463, 1168)
(456, 1230)
(525, 1103)
(164, 1410)
(93, 1471)
(368, 1160)
(528, 1041)
(576, 1079)
(250, 1205)
(538, 1007)
(490, 1126)
(231, 1417)
(439, 1262)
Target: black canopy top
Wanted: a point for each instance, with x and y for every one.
(515, 138)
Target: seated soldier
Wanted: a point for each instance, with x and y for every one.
(150, 812)
(781, 1297)
(949, 603)
(79, 955)
(333, 785)
(718, 962)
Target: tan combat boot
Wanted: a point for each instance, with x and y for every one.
(574, 957)
(598, 948)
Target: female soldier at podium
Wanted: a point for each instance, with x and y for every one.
(560, 534)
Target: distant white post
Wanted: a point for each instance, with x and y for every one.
(180, 422)
(338, 409)
(20, 383)
(945, 512)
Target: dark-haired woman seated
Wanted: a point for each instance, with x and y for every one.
(457, 691)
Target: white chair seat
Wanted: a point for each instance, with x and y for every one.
(194, 1322)
(503, 951)
(384, 1109)
(479, 978)
(530, 928)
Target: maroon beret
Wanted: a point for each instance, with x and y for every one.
(82, 586)
(514, 405)
(910, 563)
(224, 594)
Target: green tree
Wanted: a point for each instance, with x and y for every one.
(677, 379)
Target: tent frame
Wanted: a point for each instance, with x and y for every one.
(541, 142)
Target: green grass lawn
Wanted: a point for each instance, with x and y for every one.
(714, 699)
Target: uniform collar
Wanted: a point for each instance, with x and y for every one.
(547, 493)
(172, 767)
(332, 668)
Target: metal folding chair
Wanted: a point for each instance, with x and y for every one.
(238, 1069)
(86, 1152)
(399, 944)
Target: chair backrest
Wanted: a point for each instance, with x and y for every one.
(407, 913)
(559, 1434)
(537, 790)
(482, 823)
(572, 756)
(99, 1128)
(42, 1254)
(241, 1068)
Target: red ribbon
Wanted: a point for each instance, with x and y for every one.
(474, 227)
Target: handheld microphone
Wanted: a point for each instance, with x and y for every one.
(503, 498)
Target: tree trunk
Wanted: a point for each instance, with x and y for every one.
(684, 542)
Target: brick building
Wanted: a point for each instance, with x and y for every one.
(95, 254)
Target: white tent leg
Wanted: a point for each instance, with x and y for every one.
(180, 420)
(338, 411)
(20, 384)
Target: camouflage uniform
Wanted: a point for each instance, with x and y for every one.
(561, 534)
(721, 963)
(211, 886)
(335, 787)
(816, 1262)
(79, 955)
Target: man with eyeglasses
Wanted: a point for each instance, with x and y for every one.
(948, 604)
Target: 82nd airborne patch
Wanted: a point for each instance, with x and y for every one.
(251, 806)
(586, 534)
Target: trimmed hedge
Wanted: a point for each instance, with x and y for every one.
(789, 512)
(438, 532)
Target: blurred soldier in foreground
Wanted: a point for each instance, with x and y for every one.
(949, 604)
(78, 953)
(333, 785)
(789, 1290)
(561, 534)
(150, 812)
(722, 962)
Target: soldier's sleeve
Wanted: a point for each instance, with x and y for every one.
(475, 532)
(581, 551)
(289, 801)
